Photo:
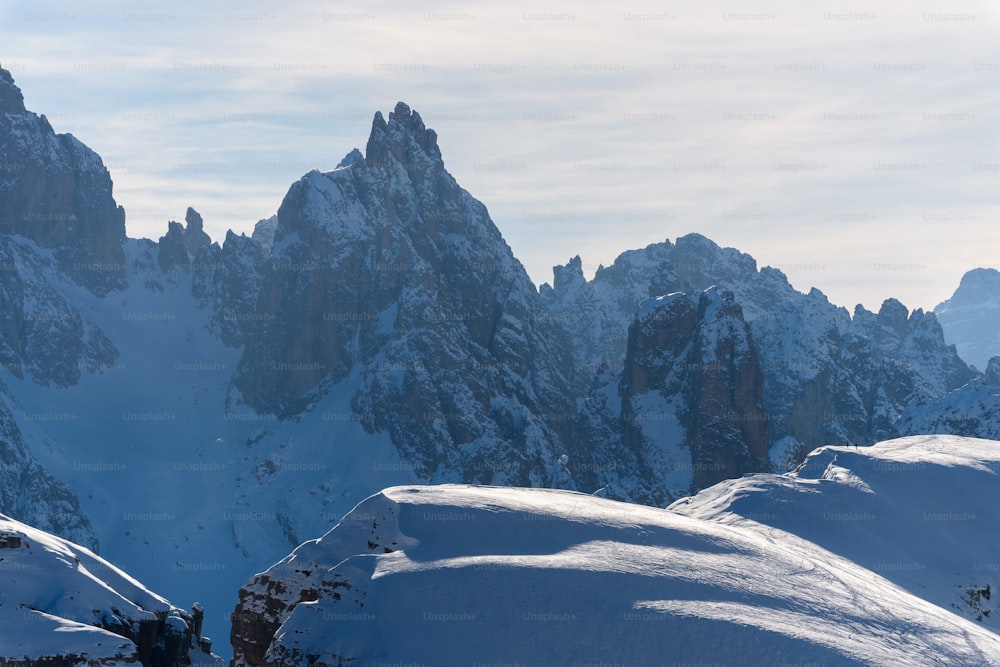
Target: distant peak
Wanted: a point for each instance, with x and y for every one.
(993, 372)
(563, 277)
(981, 278)
(193, 220)
(351, 158)
(399, 136)
(401, 111)
(11, 99)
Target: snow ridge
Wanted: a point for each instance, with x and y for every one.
(426, 574)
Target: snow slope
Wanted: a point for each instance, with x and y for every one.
(919, 511)
(184, 490)
(61, 601)
(454, 574)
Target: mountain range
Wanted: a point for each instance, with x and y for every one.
(193, 410)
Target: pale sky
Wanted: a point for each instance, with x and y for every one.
(855, 146)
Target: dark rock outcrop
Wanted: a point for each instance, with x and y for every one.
(386, 271)
(828, 378)
(182, 243)
(43, 335)
(227, 281)
(692, 385)
(56, 192)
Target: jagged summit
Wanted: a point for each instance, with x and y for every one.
(404, 136)
(182, 242)
(11, 99)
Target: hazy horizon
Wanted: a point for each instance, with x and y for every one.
(848, 146)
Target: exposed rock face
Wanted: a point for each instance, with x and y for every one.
(57, 192)
(692, 382)
(195, 237)
(326, 572)
(179, 246)
(227, 281)
(386, 271)
(828, 378)
(263, 233)
(972, 410)
(971, 317)
(42, 335)
(30, 494)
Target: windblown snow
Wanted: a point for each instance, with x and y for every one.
(878, 556)
(59, 603)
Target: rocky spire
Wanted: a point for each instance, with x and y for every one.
(195, 237)
(404, 137)
(11, 99)
(993, 373)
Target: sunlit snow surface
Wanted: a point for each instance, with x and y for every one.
(53, 593)
(861, 557)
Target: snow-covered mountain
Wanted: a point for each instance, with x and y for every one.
(875, 556)
(57, 192)
(971, 317)
(829, 376)
(390, 282)
(60, 604)
(973, 409)
(378, 331)
(918, 511)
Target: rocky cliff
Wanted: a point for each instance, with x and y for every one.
(689, 406)
(385, 272)
(57, 192)
(829, 377)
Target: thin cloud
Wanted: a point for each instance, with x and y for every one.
(808, 136)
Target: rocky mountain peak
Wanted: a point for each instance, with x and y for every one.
(404, 137)
(893, 315)
(195, 237)
(978, 285)
(993, 373)
(11, 99)
(57, 192)
(182, 242)
(570, 275)
(971, 317)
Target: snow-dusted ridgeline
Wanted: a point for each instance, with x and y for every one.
(874, 556)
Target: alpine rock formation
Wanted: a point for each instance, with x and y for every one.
(388, 280)
(193, 409)
(57, 193)
(971, 317)
(973, 409)
(828, 376)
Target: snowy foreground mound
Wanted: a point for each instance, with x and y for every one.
(61, 605)
(454, 574)
(920, 511)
